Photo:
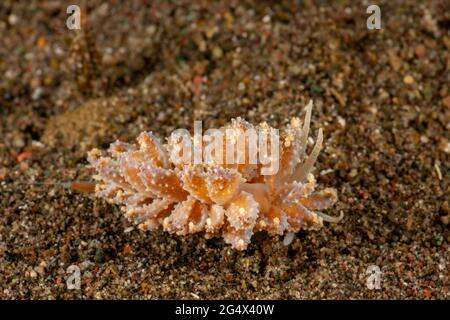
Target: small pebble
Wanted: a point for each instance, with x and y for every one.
(288, 238)
(217, 52)
(420, 50)
(408, 79)
(37, 93)
(444, 145)
(353, 173)
(446, 102)
(445, 219)
(99, 256)
(13, 19)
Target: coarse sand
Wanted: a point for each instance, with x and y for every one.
(382, 98)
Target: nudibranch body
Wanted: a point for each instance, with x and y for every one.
(160, 186)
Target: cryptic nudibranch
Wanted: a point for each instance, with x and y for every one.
(157, 190)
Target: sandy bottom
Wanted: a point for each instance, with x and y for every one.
(381, 96)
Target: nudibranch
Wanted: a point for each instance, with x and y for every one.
(159, 185)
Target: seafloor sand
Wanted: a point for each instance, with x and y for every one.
(382, 98)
